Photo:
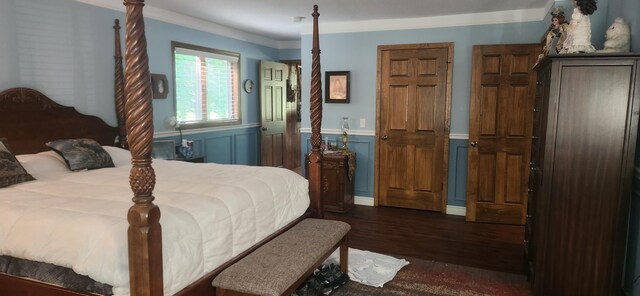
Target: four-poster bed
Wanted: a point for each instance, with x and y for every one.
(49, 121)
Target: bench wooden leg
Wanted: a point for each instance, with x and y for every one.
(344, 254)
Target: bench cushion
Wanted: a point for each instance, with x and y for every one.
(274, 267)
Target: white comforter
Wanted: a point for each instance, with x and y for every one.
(210, 213)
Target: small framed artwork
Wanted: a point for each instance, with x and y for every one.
(336, 87)
(164, 149)
(159, 86)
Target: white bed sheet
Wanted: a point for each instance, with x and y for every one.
(210, 213)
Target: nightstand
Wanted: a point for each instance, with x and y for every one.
(337, 180)
(198, 159)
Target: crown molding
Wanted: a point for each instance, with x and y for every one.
(194, 23)
(458, 20)
(470, 19)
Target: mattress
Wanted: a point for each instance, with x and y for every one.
(210, 213)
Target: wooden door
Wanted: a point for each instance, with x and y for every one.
(500, 128)
(412, 130)
(273, 120)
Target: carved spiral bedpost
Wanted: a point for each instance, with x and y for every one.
(119, 89)
(315, 157)
(145, 234)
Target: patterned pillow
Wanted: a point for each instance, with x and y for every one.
(5, 141)
(81, 154)
(11, 171)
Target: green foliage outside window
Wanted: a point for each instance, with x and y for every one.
(206, 85)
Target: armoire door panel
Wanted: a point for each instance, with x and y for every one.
(588, 129)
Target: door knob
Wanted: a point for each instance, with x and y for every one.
(264, 128)
(473, 143)
(385, 137)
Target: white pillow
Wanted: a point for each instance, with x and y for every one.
(44, 164)
(119, 156)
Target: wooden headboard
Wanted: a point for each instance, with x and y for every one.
(29, 119)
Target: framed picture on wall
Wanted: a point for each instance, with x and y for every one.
(159, 86)
(336, 87)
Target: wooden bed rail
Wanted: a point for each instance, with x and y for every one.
(315, 157)
(145, 233)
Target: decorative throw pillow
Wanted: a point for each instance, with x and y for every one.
(5, 141)
(11, 171)
(81, 154)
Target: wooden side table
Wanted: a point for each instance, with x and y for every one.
(337, 181)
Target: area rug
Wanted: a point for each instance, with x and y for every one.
(422, 277)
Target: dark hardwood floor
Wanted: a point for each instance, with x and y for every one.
(435, 236)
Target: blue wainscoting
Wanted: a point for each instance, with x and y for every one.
(457, 185)
(229, 146)
(364, 147)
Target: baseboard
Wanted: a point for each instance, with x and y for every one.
(363, 201)
(456, 210)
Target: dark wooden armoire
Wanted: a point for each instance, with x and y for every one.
(584, 139)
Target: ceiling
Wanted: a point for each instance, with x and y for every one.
(274, 19)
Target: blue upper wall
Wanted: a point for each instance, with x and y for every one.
(630, 11)
(65, 49)
(357, 52)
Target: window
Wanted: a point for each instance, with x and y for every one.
(207, 86)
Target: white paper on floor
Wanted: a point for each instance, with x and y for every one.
(369, 268)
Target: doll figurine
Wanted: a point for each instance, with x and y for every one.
(579, 31)
(558, 28)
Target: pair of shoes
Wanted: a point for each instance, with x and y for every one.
(310, 287)
(331, 277)
(340, 278)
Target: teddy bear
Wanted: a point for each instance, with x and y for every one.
(617, 37)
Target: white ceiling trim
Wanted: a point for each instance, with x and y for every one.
(458, 20)
(471, 19)
(194, 23)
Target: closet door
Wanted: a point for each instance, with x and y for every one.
(500, 124)
(412, 126)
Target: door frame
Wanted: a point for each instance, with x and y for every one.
(447, 118)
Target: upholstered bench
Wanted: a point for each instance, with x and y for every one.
(283, 264)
